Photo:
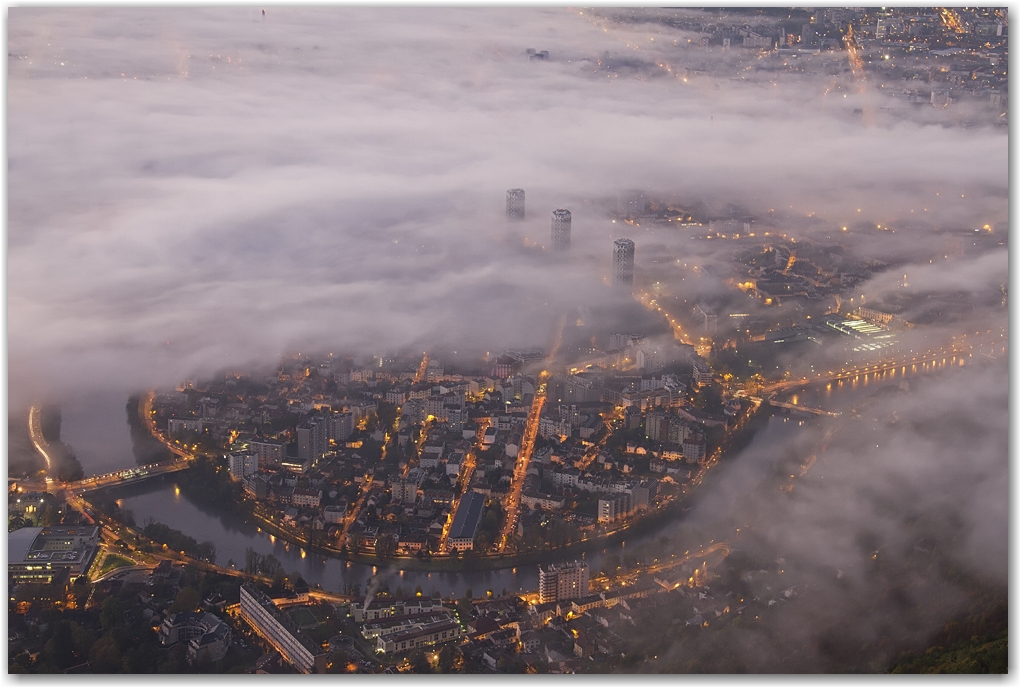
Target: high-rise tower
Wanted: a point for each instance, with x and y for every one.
(561, 229)
(563, 581)
(623, 263)
(515, 204)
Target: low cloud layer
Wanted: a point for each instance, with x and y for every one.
(192, 187)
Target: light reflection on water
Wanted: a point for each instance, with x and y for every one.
(162, 501)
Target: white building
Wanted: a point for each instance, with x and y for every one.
(558, 582)
(269, 451)
(243, 464)
(341, 426)
(277, 628)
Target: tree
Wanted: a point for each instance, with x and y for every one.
(112, 613)
(420, 663)
(105, 656)
(61, 645)
(252, 561)
(187, 600)
(50, 516)
(207, 551)
(447, 657)
(385, 546)
(270, 565)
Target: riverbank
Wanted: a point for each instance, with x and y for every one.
(734, 443)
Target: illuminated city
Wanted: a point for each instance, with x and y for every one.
(507, 340)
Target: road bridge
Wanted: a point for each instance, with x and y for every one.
(127, 476)
(804, 409)
(947, 354)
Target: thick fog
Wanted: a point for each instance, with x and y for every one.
(190, 188)
(196, 188)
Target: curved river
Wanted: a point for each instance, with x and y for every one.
(96, 427)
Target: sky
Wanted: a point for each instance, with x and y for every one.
(197, 188)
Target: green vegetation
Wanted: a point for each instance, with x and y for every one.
(979, 644)
(66, 466)
(147, 448)
(115, 636)
(178, 541)
(113, 561)
(303, 618)
(208, 483)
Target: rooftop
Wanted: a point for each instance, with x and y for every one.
(469, 514)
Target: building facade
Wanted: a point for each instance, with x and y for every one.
(557, 582)
(276, 627)
(269, 451)
(466, 521)
(560, 229)
(243, 464)
(341, 425)
(515, 204)
(623, 263)
(38, 554)
(311, 440)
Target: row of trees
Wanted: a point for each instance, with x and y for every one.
(147, 448)
(178, 541)
(66, 466)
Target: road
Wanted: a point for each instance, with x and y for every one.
(148, 416)
(592, 453)
(126, 476)
(513, 499)
(468, 472)
(353, 515)
(950, 353)
(422, 369)
(678, 331)
(38, 440)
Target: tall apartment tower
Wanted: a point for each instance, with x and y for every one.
(312, 439)
(515, 204)
(623, 263)
(561, 229)
(563, 581)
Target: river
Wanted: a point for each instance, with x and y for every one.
(97, 429)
